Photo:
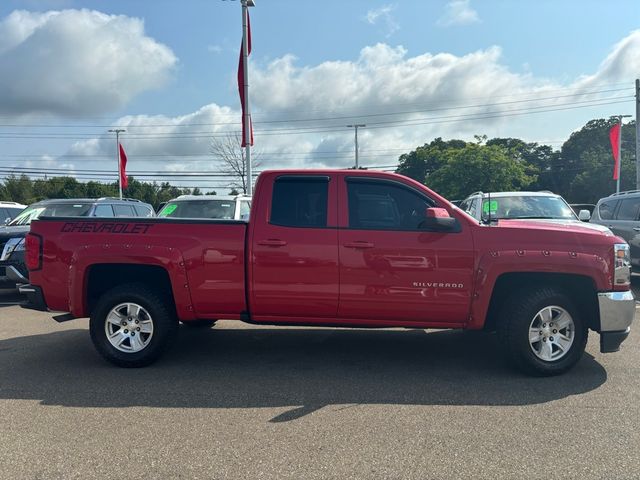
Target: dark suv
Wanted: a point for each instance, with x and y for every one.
(12, 267)
(621, 213)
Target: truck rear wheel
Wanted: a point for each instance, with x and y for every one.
(542, 332)
(132, 325)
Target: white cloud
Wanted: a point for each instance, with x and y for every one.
(301, 111)
(76, 62)
(458, 12)
(215, 48)
(384, 16)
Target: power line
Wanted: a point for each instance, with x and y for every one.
(342, 117)
(334, 128)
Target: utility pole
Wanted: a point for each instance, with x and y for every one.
(356, 126)
(637, 134)
(118, 131)
(620, 117)
(246, 119)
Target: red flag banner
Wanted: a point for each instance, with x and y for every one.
(123, 168)
(241, 82)
(614, 137)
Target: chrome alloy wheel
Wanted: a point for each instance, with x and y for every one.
(551, 333)
(129, 327)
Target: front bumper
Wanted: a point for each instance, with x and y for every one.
(617, 310)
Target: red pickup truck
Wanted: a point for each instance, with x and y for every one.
(343, 248)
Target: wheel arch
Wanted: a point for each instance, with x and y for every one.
(102, 277)
(580, 288)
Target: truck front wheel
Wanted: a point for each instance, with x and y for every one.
(131, 325)
(542, 332)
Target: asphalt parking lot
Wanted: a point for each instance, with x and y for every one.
(239, 401)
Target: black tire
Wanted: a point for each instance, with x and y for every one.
(199, 323)
(514, 322)
(164, 325)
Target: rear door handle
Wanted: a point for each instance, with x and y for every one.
(272, 242)
(359, 245)
(636, 229)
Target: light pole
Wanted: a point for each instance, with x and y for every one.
(356, 126)
(620, 117)
(118, 131)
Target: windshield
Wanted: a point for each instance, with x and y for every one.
(527, 206)
(221, 209)
(51, 210)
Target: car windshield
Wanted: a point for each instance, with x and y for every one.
(222, 209)
(527, 206)
(25, 217)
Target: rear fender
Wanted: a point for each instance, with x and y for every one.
(167, 258)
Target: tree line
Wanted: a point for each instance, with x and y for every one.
(25, 190)
(581, 170)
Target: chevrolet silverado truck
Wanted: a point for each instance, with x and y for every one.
(341, 248)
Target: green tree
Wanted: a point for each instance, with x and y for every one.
(475, 167)
(586, 162)
(423, 161)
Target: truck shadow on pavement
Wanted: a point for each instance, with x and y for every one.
(300, 369)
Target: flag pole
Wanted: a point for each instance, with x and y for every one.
(246, 118)
(619, 155)
(117, 131)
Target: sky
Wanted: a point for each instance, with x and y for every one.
(410, 70)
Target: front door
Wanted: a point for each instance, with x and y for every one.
(390, 267)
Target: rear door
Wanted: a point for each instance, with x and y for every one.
(391, 268)
(294, 249)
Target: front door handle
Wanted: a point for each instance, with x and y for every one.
(272, 242)
(636, 229)
(359, 245)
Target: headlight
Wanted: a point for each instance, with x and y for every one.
(12, 245)
(622, 262)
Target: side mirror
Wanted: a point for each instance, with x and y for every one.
(7, 220)
(584, 215)
(439, 220)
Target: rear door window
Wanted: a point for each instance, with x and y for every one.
(300, 202)
(124, 211)
(628, 209)
(103, 211)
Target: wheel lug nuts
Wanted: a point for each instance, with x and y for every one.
(544, 339)
(540, 332)
(137, 321)
(138, 329)
(123, 323)
(126, 331)
(551, 339)
(544, 325)
(555, 331)
(133, 334)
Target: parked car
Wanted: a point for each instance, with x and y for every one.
(620, 212)
(223, 207)
(12, 268)
(340, 248)
(9, 210)
(530, 206)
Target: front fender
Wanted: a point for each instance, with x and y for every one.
(493, 264)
